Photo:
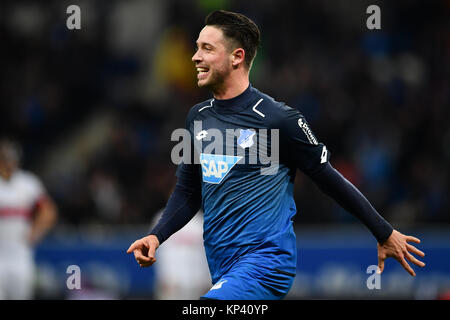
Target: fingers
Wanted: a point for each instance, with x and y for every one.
(381, 259)
(397, 247)
(133, 246)
(412, 239)
(138, 244)
(151, 252)
(415, 250)
(142, 260)
(406, 266)
(140, 257)
(414, 260)
(380, 265)
(151, 255)
(144, 252)
(146, 263)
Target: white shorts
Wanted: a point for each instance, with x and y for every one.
(16, 276)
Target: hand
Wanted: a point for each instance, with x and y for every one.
(144, 250)
(397, 246)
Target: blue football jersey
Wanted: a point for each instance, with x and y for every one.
(246, 151)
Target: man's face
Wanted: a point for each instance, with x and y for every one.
(8, 164)
(212, 58)
(6, 168)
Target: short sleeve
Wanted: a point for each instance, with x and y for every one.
(36, 185)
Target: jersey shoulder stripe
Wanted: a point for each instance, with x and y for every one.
(198, 108)
(275, 112)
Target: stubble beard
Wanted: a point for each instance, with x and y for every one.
(216, 81)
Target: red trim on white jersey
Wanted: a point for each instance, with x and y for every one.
(21, 195)
(39, 202)
(14, 212)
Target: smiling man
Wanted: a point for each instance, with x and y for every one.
(248, 231)
(222, 64)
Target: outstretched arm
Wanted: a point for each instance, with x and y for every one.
(391, 243)
(303, 150)
(333, 184)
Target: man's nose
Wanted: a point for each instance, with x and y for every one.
(196, 57)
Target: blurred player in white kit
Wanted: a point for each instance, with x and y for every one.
(182, 270)
(26, 214)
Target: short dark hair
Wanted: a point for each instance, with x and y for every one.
(240, 29)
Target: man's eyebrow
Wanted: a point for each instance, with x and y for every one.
(199, 44)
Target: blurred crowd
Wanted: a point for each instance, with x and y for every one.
(94, 108)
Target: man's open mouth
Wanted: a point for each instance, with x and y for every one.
(202, 71)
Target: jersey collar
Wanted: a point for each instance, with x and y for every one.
(237, 103)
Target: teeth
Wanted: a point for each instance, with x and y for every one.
(202, 69)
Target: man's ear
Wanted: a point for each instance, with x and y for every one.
(237, 57)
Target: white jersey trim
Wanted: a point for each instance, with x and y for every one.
(258, 112)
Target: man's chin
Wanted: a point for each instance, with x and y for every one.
(203, 84)
(210, 83)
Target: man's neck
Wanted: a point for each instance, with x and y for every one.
(232, 88)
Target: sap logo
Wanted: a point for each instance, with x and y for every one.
(216, 166)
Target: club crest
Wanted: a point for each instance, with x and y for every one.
(245, 139)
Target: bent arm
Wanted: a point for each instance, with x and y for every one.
(44, 218)
(182, 205)
(332, 183)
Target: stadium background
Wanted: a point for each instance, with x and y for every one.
(94, 109)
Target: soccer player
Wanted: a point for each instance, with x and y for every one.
(26, 214)
(248, 205)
